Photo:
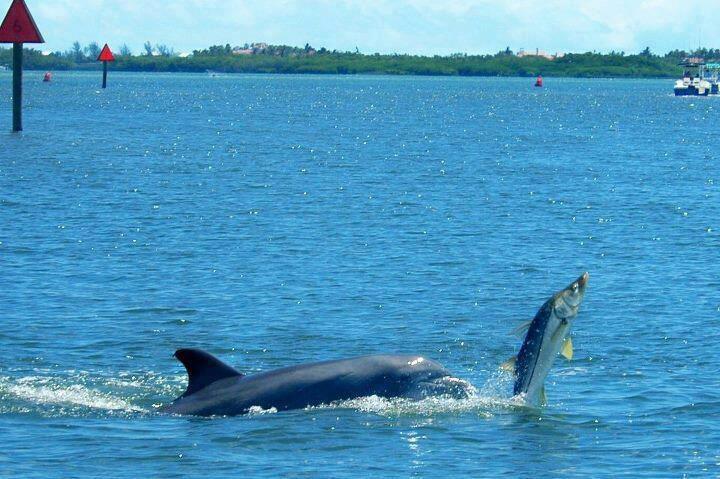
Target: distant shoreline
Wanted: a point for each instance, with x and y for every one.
(502, 64)
(379, 74)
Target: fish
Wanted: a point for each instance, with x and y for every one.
(548, 334)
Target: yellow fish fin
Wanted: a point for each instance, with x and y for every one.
(567, 348)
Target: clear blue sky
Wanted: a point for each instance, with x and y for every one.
(385, 26)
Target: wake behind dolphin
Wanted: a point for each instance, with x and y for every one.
(216, 389)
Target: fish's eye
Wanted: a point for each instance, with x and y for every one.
(574, 286)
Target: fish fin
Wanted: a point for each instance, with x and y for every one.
(543, 396)
(203, 369)
(567, 348)
(557, 334)
(522, 328)
(509, 365)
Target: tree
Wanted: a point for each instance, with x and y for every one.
(92, 50)
(646, 53)
(164, 50)
(125, 50)
(77, 53)
(148, 49)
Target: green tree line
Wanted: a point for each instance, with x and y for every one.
(287, 59)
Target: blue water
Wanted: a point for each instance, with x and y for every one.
(275, 220)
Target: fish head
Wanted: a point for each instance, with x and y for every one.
(566, 303)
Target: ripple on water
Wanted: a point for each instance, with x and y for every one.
(160, 310)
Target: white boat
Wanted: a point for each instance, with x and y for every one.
(692, 86)
(702, 83)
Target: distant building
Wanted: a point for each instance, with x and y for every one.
(184, 54)
(539, 53)
(252, 49)
(259, 48)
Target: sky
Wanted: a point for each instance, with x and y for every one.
(428, 27)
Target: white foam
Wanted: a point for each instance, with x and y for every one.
(484, 401)
(431, 406)
(258, 411)
(40, 390)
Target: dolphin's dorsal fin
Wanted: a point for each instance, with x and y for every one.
(203, 369)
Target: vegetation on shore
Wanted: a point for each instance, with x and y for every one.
(285, 59)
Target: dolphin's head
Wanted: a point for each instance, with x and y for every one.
(547, 335)
(566, 303)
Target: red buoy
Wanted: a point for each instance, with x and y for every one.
(539, 80)
(47, 77)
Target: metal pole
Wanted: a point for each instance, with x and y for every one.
(17, 86)
(105, 74)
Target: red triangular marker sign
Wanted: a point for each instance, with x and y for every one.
(19, 26)
(106, 55)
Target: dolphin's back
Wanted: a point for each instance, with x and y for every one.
(305, 385)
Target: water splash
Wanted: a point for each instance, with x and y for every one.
(42, 391)
(483, 402)
(80, 394)
(259, 411)
(432, 406)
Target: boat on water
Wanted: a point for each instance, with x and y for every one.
(699, 79)
(539, 81)
(47, 77)
(690, 85)
(712, 73)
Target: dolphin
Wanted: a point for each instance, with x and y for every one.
(216, 389)
(548, 334)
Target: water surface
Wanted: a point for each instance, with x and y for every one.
(273, 220)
